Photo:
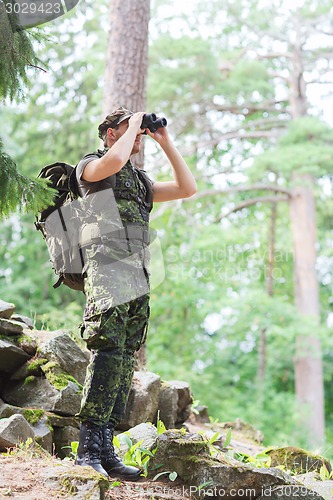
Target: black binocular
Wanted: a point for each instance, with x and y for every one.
(153, 122)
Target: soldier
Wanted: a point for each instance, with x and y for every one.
(116, 276)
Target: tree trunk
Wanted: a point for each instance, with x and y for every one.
(126, 69)
(127, 59)
(309, 382)
(308, 358)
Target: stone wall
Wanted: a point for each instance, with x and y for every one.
(41, 379)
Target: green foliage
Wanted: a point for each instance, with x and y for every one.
(135, 454)
(246, 77)
(259, 461)
(20, 192)
(160, 425)
(172, 475)
(17, 54)
(306, 147)
(325, 475)
(73, 447)
(227, 438)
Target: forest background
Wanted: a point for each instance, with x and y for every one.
(226, 316)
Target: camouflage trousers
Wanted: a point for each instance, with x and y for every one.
(112, 333)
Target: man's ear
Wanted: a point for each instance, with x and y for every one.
(110, 133)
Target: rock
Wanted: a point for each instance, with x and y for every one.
(43, 435)
(11, 356)
(288, 492)
(246, 431)
(185, 399)
(201, 415)
(27, 342)
(188, 455)
(143, 400)
(312, 482)
(39, 393)
(31, 367)
(14, 430)
(81, 483)
(24, 319)
(7, 410)
(168, 405)
(297, 460)
(60, 421)
(10, 327)
(147, 433)
(6, 309)
(63, 350)
(63, 436)
(57, 376)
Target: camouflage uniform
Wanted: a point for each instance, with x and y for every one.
(117, 293)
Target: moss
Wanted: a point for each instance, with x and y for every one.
(16, 339)
(58, 381)
(29, 379)
(297, 460)
(210, 462)
(68, 486)
(69, 481)
(33, 416)
(21, 339)
(48, 366)
(49, 426)
(34, 365)
(57, 377)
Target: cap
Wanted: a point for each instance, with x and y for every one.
(113, 119)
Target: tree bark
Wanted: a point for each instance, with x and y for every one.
(309, 383)
(126, 70)
(127, 58)
(309, 380)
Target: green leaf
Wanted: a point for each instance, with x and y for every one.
(124, 438)
(148, 452)
(323, 472)
(214, 438)
(173, 476)
(160, 474)
(116, 441)
(227, 438)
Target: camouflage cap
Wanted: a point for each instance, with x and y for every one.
(113, 119)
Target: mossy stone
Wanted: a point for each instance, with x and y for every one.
(298, 460)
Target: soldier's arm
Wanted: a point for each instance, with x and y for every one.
(118, 154)
(183, 185)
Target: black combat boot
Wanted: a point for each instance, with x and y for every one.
(111, 462)
(90, 445)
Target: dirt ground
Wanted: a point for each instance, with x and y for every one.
(25, 473)
(23, 477)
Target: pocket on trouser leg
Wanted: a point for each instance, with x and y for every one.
(104, 331)
(137, 329)
(90, 329)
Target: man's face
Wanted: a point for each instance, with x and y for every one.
(122, 127)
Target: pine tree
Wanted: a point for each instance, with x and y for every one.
(17, 55)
